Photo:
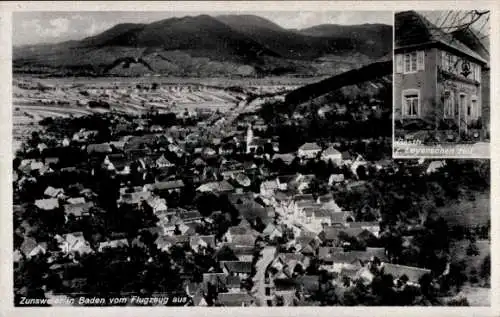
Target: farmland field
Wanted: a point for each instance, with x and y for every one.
(37, 98)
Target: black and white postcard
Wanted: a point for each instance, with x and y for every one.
(208, 157)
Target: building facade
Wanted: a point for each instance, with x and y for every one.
(437, 79)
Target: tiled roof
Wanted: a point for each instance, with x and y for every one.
(243, 239)
(168, 185)
(99, 148)
(412, 28)
(47, 204)
(78, 210)
(310, 146)
(237, 266)
(397, 271)
(235, 299)
(331, 151)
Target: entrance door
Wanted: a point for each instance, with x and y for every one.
(462, 110)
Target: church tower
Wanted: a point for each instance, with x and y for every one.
(249, 137)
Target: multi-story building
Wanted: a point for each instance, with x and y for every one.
(437, 78)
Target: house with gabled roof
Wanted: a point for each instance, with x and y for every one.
(30, 247)
(112, 244)
(235, 299)
(53, 192)
(437, 78)
(272, 231)
(406, 274)
(371, 226)
(332, 154)
(164, 243)
(286, 158)
(78, 210)
(99, 149)
(308, 150)
(162, 162)
(76, 200)
(47, 204)
(198, 242)
(168, 186)
(157, 204)
(118, 163)
(284, 180)
(216, 187)
(72, 243)
(237, 268)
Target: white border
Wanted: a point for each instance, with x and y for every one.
(6, 154)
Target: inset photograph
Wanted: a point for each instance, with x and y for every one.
(442, 84)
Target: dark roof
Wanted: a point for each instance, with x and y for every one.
(169, 185)
(119, 161)
(99, 148)
(475, 41)
(78, 210)
(397, 271)
(286, 178)
(235, 299)
(239, 249)
(413, 29)
(237, 266)
(209, 240)
(28, 245)
(243, 239)
(310, 283)
(189, 215)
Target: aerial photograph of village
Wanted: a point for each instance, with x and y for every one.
(222, 159)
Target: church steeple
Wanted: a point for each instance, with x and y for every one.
(249, 137)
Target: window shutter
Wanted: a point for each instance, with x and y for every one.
(444, 60)
(399, 63)
(420, 60)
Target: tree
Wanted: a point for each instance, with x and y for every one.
(457, 276)
(472, 249)
(485, 270)
(461, 301)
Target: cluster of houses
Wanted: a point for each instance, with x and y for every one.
(155, 168)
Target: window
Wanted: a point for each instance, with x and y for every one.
(411, 103)
(475, 108)
(399, 63)
(478, 73)
(410, 61)
(450, 62)
(449, 106)
(444, 60)
(268, 291)
(414, 61)
(420, 60)
(454, 64)
(462, 103)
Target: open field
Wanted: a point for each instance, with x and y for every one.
(221, 82)
(37, 98)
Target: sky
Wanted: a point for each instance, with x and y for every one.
(53, 27)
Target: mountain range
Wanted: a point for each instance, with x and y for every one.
(245, 45)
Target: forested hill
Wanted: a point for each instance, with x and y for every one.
(209, 46)
(363, 74)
